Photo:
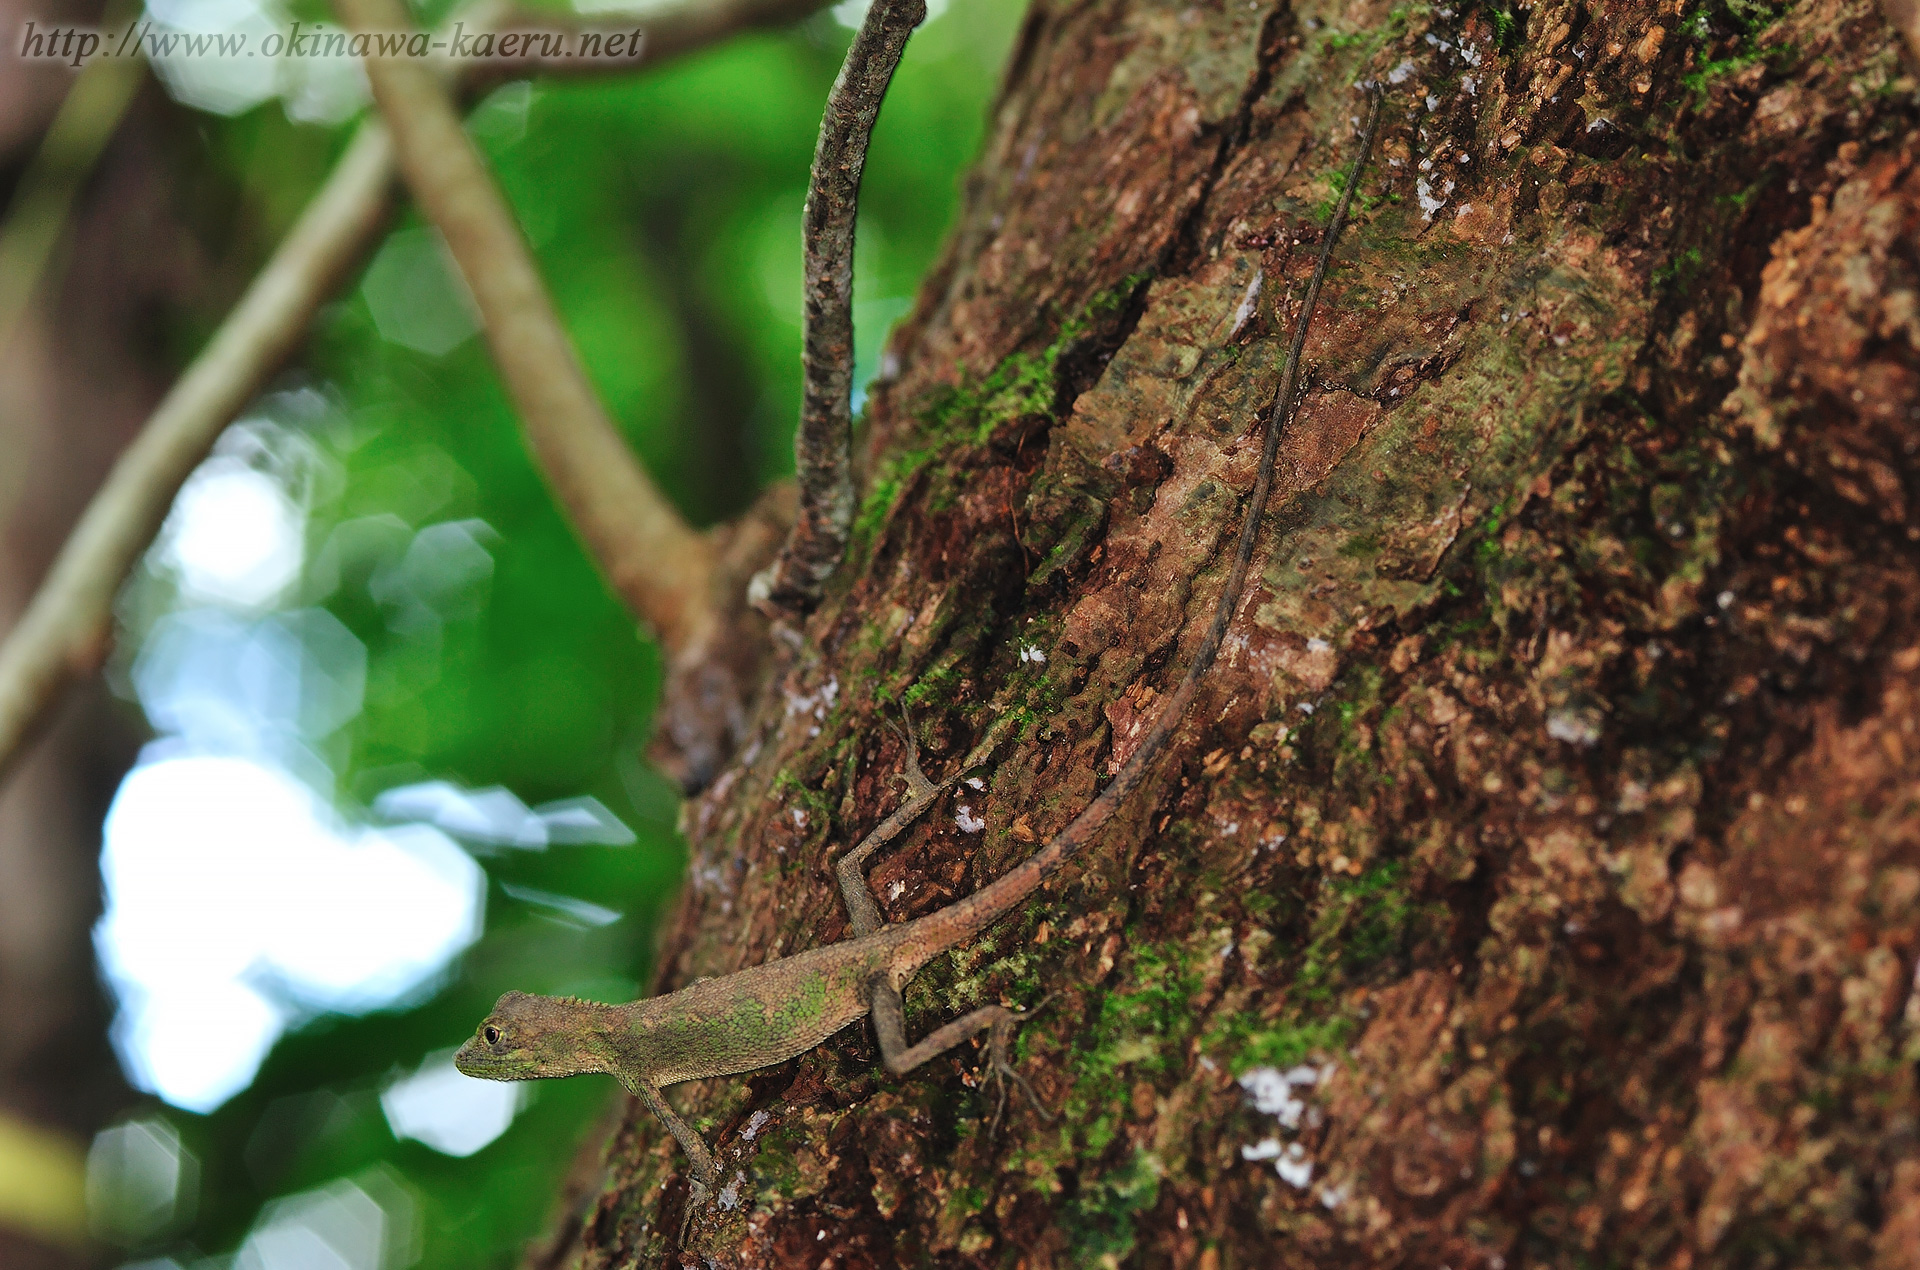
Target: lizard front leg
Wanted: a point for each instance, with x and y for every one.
(704, 1172)
(863, 911)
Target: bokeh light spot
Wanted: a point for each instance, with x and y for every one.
(235, 901)
(141, 1182)
(207, 78)
(340, 1226)
(234, 537)
(416, 296)
(454, 1114)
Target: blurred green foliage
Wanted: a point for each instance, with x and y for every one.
(665, 211)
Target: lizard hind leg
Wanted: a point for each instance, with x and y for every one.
(890, 1026)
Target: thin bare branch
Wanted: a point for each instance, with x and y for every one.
(65, 632)
(823, 446)
(651, 556)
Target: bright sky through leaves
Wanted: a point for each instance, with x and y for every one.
(235, 901)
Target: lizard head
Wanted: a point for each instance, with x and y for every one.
(528, 1038)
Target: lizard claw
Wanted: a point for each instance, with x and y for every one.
(1020, 1016)
(904, 728)
(1003, 1075)
(697, 1192)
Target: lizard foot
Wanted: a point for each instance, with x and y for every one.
(918, 786)
(697, 1192)
(1004, 1075)
(1002, 1071)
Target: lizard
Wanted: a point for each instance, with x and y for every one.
(766, 1014)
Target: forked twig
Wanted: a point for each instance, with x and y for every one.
(823, 446)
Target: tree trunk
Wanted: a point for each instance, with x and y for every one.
(1537, 880)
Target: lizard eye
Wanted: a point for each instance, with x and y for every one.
(491, 1035)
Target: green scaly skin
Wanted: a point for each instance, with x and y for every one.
(718, 1027)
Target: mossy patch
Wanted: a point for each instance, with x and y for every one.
(1100, 1216)
(1026, 384)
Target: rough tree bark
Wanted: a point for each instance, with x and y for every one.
(1548, 819)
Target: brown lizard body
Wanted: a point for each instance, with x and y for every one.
(766, 1014)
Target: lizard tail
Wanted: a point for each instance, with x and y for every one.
(967, 917)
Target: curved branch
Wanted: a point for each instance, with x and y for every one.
(651, 556)
(823, 446)
(65, 632)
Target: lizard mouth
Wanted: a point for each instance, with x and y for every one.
(472, 1059)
